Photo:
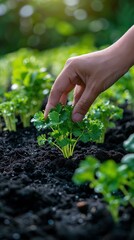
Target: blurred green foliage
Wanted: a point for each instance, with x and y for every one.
(46, 24)
(53, 59)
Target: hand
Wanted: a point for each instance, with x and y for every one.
(89, 75)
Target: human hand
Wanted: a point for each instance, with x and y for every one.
(88, 75)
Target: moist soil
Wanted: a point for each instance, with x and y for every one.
(39, 201)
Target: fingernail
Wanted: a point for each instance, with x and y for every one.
(77, 117)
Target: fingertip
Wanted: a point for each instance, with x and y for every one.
(47, 110)
(45, 114)
(77, 117)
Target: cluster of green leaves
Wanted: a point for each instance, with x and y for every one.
(115, 181)
(106, 112)
(29, 83)
(65, 133)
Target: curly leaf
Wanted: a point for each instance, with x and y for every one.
(41, 139)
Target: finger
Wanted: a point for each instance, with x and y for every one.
(62, 86)
(85, 101)
(78, 91)
(63, 99)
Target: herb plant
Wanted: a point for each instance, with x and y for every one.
(29, 84)
(7, 111)
(64, 133)
(114, 181)
(107, 113)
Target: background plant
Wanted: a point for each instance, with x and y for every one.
(29, 85)
(106, 112)
(114, 181)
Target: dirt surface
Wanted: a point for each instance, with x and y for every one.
(38, 200)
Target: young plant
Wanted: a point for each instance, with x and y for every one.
(23, 109)
(114, 181)
(7, 111)
(64, 133)
(30, 82)
(107, 113)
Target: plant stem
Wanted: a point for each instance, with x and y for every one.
(126, 193)
(25, 120)
(10, 122)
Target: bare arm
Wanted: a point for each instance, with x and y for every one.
(92, 73)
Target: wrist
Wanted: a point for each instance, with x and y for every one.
(124, 49)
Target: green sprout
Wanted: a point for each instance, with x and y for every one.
(64, 133)
(107, 113)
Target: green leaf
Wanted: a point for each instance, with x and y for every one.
(64, 142)
(54, 117)
(86, 170)
(58, 107)
(55, 134)
(39, 116)
(76, 131)
(129, 143)
(85, 137)
(128, 159)
(38, 120)
(108, 169)
(41, 139)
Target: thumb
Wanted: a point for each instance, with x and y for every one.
(82, 106)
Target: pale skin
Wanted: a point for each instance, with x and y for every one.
(90, 74)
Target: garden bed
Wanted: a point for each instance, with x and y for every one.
(39, 201)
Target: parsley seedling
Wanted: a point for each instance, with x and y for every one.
(64, 133)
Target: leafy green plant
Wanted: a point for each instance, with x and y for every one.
(122, 91)
(107, 113)
(7, 111)
(64, 133)
(114, 181)
(23, 108)
(30, 83)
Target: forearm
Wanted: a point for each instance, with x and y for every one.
(124, 49)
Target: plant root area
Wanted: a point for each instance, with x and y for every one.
(39, 201)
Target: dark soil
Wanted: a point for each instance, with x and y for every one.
(38, 200)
